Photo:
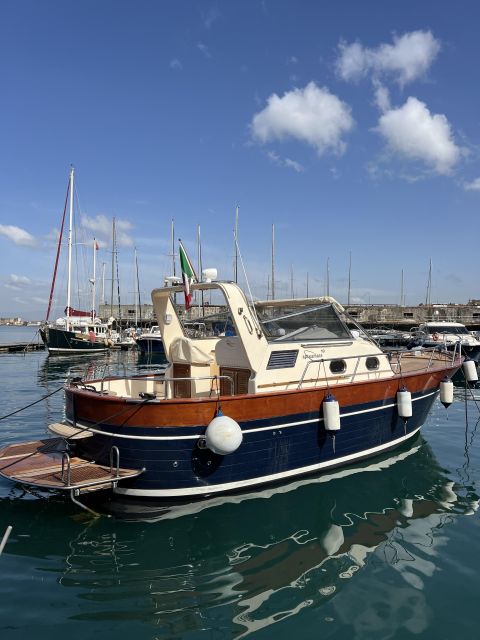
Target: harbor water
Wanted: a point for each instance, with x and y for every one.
(389, 548)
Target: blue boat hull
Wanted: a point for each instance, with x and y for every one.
(272, 450)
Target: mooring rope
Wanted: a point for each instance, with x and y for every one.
(31, 404)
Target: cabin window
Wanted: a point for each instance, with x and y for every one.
(338, 366)
(408, 314)
(302, 325)
(372, 363)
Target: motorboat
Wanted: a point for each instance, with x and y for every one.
(450, 335)
(151, 341)
(296, 391)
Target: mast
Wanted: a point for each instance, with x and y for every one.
(200, 267)
(307, 284)
(113, 266)
(103, 282)
(402, 300)
(138, 286)
(428, 297)
(235, 247)
(349, 278)
(291, 281)
(70, 226)
(94, 277)
(59, 244)
(172, 237)
(273, 262)
(328, 276)
(135, 285)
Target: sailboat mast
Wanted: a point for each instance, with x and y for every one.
(135, 287)
(113, 266)
(349, 278)
(428, 297)
(402, 302)
(273, 262)
(200, 268)
(235, 248)
(328, 276)
(70, 226)
(103, 282)
(59, 245)
(94, 277)
(138, 286)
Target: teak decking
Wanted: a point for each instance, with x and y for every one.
(46, 464)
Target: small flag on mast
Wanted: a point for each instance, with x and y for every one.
(188, 274)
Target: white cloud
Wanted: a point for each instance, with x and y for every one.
(39, 300)
(19, 280)
(17, 235)
(285, 162)
(474, 185)
(408, 58)
(102, 227)
(204, 49)
(382, 97)
(312, 115)
(176, 64)
(415, 133)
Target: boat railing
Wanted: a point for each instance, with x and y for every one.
(169, 381)
(395, 359)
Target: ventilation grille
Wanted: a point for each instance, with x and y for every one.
(282, 359)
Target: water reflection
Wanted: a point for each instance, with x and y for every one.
(237, 565)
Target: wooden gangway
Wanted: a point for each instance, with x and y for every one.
(22, 346)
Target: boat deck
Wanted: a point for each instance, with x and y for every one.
(46, 464)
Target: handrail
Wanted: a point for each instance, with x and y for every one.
(223, 377)
(66, 458)
(169, 379)
(399, 354)
(114, 451)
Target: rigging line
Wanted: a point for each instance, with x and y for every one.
(52, 288)
(52, 448)
(31, 404)
(252, 304)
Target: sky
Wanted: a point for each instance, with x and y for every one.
(352, 127)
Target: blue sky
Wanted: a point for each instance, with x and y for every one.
(354, 127)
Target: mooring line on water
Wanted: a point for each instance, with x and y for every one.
(31, 404)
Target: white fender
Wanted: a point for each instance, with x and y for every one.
(223, 435)
(446, 392)
(470, 371)
(331, 413)
(404, 403)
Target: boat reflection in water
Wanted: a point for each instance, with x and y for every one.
(239, 564)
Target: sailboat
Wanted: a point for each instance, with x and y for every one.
(78, 331)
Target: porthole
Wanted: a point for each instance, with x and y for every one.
(372, 363)
(338, 366)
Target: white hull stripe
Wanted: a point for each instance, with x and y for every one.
(255, 430)
(231, 486)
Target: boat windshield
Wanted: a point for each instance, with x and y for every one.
(313, 324)
(458, 330)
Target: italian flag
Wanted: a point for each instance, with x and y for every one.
(188, 275)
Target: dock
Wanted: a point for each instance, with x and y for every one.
(22, 346)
